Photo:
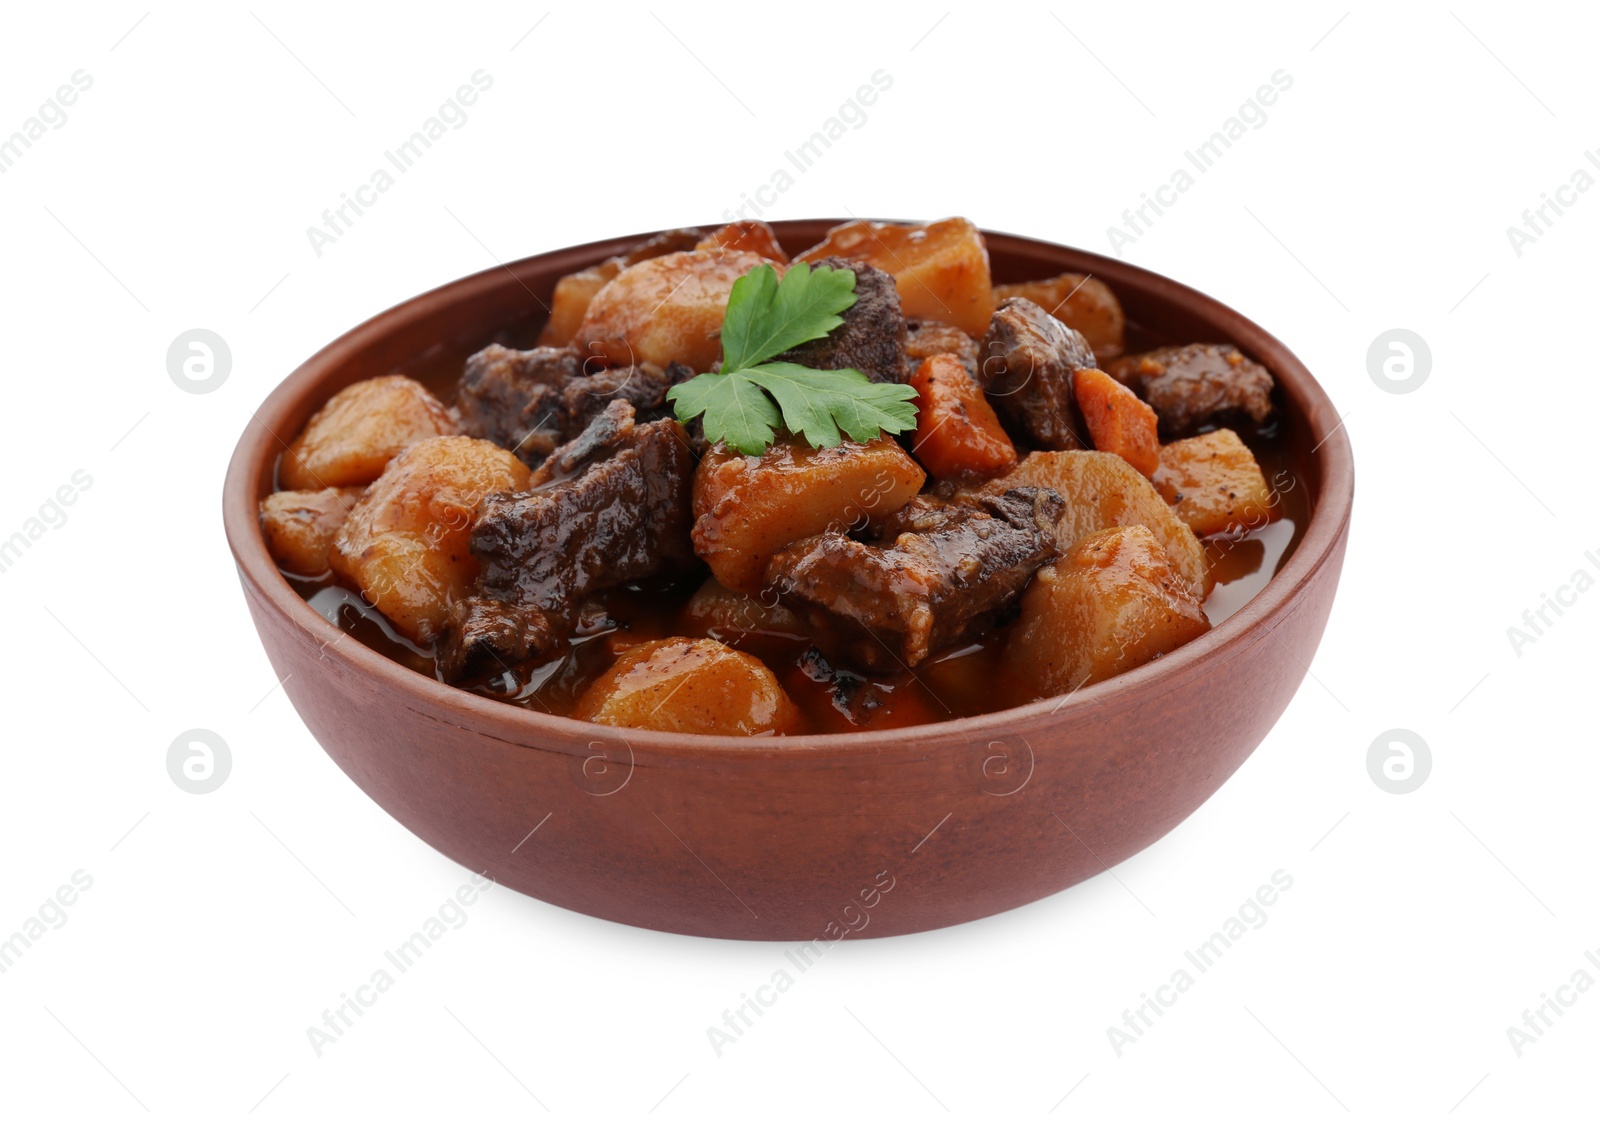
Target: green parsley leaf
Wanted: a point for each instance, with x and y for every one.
(767, 317)
(736, 410)
(818, 404)
(750, 398)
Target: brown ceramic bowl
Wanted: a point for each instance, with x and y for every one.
(796, 838)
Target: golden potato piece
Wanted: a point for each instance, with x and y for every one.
(1111, 603)
(405, 545)
(357, 431)
(299, 526)
(689, 686)
(1102, 490)
(941, 270)
(665, 309)
(1081, 302)
(1215, 484)
(570, 302)
(748, 508)
(722, 614)
(747, 234)
(574, 292)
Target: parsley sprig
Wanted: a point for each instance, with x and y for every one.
(752, 397)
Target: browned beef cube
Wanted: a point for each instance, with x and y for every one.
(487, 633)
(644, 385)
(1198, 383)
(1026, 364)
(873, 335)
(612, 429)
(928, 338)
(942, 573)
(624, 515)
(624, 518)
(528, 402)
(513, 398)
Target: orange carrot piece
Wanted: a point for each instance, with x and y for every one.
(1119, 421)
(957, 430)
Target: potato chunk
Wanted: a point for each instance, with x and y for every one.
(1112, 603)
(940, 269)
(405, 545)
(1215, 484)
(357, 431)
(747, 234)
(723, 614)
(748, 508)
(1081, 302)
(1102, 490)
(665, 309)
(574, 292)
(689, 686)
(299, 526)
(570, 302)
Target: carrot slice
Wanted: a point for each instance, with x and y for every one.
(1119, 421)
(957, 430)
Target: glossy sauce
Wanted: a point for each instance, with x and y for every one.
(951, 684)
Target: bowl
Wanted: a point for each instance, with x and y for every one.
(806, 838)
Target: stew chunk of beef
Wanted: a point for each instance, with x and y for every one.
(872, 338)
(928, 338)
(1026, 364)
(1197, 383)
(938, 574)
(513, 398)
(529, 402)
(486, 633)
(624, 516)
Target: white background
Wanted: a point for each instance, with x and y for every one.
(1377, 195)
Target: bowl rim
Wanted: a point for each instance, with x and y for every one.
(1331, 507)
